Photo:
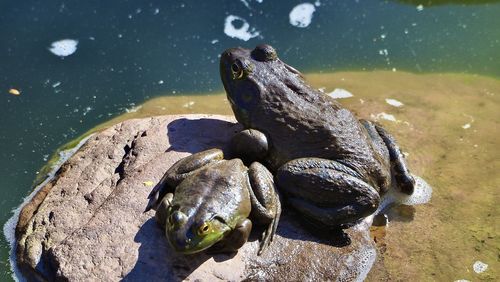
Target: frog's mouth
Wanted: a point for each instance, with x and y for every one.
(186, 241)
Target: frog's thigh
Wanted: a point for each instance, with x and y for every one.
(178, 172)
(234, 240)
(404, 179)
(326, 191)
(266, 204)
(250, 145)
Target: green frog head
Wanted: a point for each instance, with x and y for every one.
(188, 233)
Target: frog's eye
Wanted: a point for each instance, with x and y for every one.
(237, 70)
(203, 229)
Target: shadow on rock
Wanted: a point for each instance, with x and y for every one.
(195, 135)
(293, 226)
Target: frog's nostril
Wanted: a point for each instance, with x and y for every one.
(177, 219)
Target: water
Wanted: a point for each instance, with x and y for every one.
(128, 52)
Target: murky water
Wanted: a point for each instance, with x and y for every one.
(128, 52)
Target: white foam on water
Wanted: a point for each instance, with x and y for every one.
(9, 229)
(63, 48)
(133, 109)
(302, 14)
(479, 267)
(340, 93)
(383, 115)
(360, 262)
(422, 194)
(188, 104)
(394, 102)
(420, 8)
(244, 33)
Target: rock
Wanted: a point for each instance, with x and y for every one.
(88, 222)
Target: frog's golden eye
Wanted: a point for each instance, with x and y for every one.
(203, 229)
(237, 71)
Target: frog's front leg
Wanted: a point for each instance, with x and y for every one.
(327, 192)
(235, 240)
(250, 145)
(266, 204)
(178, 172)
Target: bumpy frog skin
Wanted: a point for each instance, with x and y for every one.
(204, 201)
(331, 166)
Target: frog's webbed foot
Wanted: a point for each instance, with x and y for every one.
(266, 204)
(326, 192)
(404, 179)
(250, 145)
(178, 172)
(235, 240)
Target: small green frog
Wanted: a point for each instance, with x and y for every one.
(204, 201)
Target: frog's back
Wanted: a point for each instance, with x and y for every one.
(302, 122)
(299, 121)
(223, 182)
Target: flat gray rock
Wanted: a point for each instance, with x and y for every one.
(88, 222)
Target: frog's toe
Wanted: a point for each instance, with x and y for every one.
(268, 235)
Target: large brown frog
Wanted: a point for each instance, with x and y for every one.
(331, 166)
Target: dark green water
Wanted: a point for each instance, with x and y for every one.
(129, 51)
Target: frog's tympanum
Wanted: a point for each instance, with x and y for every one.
(204, 201)
(331, 167)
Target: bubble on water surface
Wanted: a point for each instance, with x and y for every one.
(394, 102)
(339, 93)
(385, 116)
(63, 48)
(301, 15)
(244, 32)
(479, 267)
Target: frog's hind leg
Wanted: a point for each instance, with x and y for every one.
(266, 204)
(178, 172)
(404, 179)
(326, 192)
